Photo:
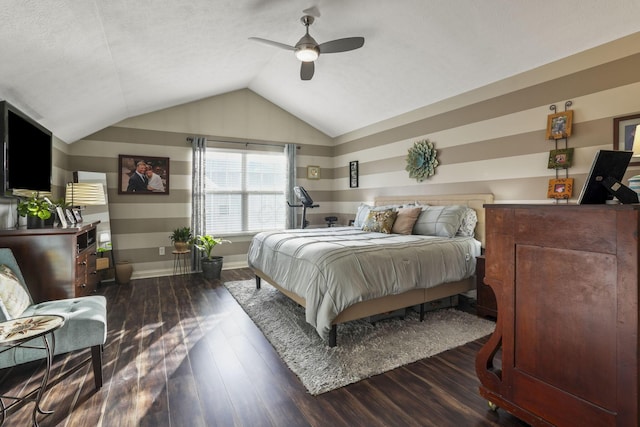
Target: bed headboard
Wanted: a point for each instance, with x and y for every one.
(475, 201)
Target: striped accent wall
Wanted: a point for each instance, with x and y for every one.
(141, 224)
(491, 139)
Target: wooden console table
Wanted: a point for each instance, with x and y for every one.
(56, 262)
(566, 284)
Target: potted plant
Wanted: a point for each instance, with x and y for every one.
(181, 238)
(211, 265)
(37, 210)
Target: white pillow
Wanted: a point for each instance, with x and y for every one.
(469, 221)
(361, 215)
(14, 298)
(443, 221)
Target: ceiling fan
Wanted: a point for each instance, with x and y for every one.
(307, 49)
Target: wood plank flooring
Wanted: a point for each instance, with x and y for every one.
(181, 352)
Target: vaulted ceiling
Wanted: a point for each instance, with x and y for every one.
(78, 66)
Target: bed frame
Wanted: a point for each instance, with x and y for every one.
(416, 296)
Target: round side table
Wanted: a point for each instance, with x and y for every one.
(19, 333)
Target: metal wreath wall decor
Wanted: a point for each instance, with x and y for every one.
(421, 160)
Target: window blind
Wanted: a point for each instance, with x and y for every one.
(245, 191)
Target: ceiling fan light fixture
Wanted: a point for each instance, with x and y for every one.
(307, 53)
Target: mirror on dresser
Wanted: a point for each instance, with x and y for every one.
(99, 213)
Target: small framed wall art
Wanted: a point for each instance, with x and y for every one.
(313, 172)
(353, 174)
(561, 188)
(560, 159)
(624, 133)
(559, 125)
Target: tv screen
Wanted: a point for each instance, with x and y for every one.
(26, 152)
(604, 179)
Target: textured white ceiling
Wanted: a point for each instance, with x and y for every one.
(78, 66)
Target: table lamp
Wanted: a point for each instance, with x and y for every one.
(84, 194)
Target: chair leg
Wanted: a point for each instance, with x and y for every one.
(96, 361)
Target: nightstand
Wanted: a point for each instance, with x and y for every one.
(485, 299)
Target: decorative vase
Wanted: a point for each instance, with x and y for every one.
(124, 269)
(212, 267)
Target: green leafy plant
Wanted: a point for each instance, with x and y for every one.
(207, 243)
(36, 207)
(182, 234)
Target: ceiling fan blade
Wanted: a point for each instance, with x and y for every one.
(272, 43)
(313, 11)
(306, 70)
(341, 45)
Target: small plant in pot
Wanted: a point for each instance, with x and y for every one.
(37, 210)
(211, 265)
(181, 238)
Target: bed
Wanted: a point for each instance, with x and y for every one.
(341, 274)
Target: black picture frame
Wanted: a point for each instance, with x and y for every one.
(130, 184)
(353, 174)
(623, 134)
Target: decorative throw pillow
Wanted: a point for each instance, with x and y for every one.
(361, 214)
(469, 221)
(405, 220)
(443, 221)
(14, 297)
(380, 221)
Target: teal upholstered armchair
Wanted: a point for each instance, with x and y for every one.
(85, 323)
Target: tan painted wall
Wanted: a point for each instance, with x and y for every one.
(493, 139)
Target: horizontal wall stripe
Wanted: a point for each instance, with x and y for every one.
(110, 148)
(175, 196)
(130, 135)
(588, 134)
(149, 211)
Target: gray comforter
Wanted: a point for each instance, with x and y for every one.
(334, 268)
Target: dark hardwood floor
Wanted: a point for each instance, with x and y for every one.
(181, 352)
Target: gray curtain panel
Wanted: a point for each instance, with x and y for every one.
(290, 153)
(199, 148)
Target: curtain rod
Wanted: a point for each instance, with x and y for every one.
(190, 139)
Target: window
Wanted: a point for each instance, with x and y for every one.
(245, 191)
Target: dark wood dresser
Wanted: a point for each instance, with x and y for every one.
(566, 284)
(56, 262)
(485, 299)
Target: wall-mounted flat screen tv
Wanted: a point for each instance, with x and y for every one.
(26, 150)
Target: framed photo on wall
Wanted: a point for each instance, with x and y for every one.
(559, 125)
(353, 174)
(560, 159)
(624, 132)
(313, 172)
(143, 174)
(560, 188)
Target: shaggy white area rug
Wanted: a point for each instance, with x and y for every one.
(363, 349)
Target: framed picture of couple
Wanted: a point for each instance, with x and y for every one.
(143, 174)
